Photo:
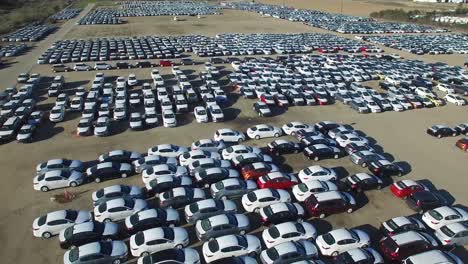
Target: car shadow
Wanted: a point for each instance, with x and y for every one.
(47, 131)
(341, 172)
(231, 113)
(361, 199)
(447, 196)
(373, 233)
(321, 225)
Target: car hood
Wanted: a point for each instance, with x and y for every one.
(118, 248)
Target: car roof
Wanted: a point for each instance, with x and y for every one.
(279, 207)
(401, 220)
(342, 233)
(435, 256)
(326, 196)
(56, 215)
(89, 248)
(407, 237)
(286, 247)
(115, 203)
(83, 227)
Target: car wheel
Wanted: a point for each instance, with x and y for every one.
(44, 188)
(316, 158)
(322, 215)
(350, 210)
(73, 184)
(144, 254)
(334, 254)
(379, 187)
(46, 235)
(107, 220)
(242, 232)
(439, 136)
(179, 246)
(240, 140)
(364, 164)
(98, 180)
(454, 134)
(124, 175)
(257, 137)
(117, 261)
(277, 135)
(336, 156)
(224, 198)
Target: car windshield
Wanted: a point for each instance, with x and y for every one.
(272, 253)
(25, 130)
(447, 231)
(436, 215)
(206, 224)
(83, 124)
(274, 232)
(392, 224)
(168, 115)
(302, 187)
(139, 238)
(56, 111)
(213, 245)
(73, 255)
(252, 196)
(71, 215)
(201, 112)
(328, 238)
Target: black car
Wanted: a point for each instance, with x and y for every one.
(385, 168)
(321, 151)
(326, 126)
(187, 61)
(315, 140)
(143, 64)
(180, 197)
(441, 131)
(462, 129)
(281, 212)
(88, 232)
(303, 133)
(281, 146)
(151, 218)
(262, 109)
(165, 183)
(123, 65)
(425, 200)
(106, 170)
(173, 256)
(362, 181)
(353, 147)
(401, 224)
(120, 156)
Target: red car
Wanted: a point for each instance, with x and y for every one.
(257, 170)
(404, 188)
(331, 202)
(277, 180)
(165, 63)
(321, 100)
(462, 144)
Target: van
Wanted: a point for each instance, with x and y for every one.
(10, 128)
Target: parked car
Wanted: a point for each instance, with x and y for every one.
(281, 212)
(403, 245)
(363, 182)
(88, 232)
(232, 187)
(401, 224)
(445, 215)
(331, 202)
(109, 170)
(321, 151)
(317, 172)
(221, 225)
(114, 252)
(156, 239)
(117, 191)
(183, 255)
(288, 231)
(441, 131)
(263, 131)
(404, 188)
(229, 246)
(289, 251)
(52, 223)
(277, 180)
(56, 179)
(341, 240)
(455, 234)
(304, 190)
(433, 256)
(425, 200)
(180, 197)
(207, 208)
(360, 255)
(281, 146)
(118, 209)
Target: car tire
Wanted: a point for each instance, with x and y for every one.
(240, 140)
(107, 220)
(322, 215)
(144, 254)
(364, 164)
(46, 235)
(316, 158)
(336, 156)
(334, 254)
(350, 210)
(124, 175)
(242, 232)
(179, 246)
(73, 184)
(439, 136)
(277, 135)
(117, 261)
(97, 180)
(44, 189)
(257, 137)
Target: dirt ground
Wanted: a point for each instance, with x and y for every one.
(402, 136)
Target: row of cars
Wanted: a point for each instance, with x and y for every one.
(66, 14)
(423, 44)
(113, 16)
(155, 232)
(11, 50)
(346, 24)
(32, 32)
(159, 47)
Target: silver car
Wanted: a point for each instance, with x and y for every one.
(207, 208)
(220, 225)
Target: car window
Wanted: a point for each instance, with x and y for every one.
(58, 222)
(116, 209)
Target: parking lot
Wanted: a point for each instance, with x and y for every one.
(436, 162)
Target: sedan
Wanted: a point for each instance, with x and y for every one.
(163, 170)
(277, 180)
(122, 156)
(206, 208)
(425, 200)
(281, 146)
(208, 145)
(264, 131)
(317, 172)
(88, 232)
(341, 240)
(109, 170)
(302, 191)
(200, 114)
(360, 255)
(59, 164)
(231, 153)
(444, 215)
(230, 188)
(229, 246)
(288, 231)
(262, 109)
(404, 188)
(52, 223)
(221, 225)
(255, 170)
(57, 179)
(290, 251)
(321, 151)
(117, 191)
(440, 131)
(362, 182)
(114, 252)
(191, 156)
(150, 161)
(180, 197)
(281, 212)
(205, 177)
(292, 127)
(455, 234)
(165, 183)
(167, 150)
(118, 209)
(229, 135)
(156, 239)
(385, 168)
(254, 200)
(401, 224)
(173, 255)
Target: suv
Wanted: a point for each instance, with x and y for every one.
(331, 202)
(403, 245)
(10, 128)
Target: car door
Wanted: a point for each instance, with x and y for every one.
(55, 182)
(160, 244)
(57, 225)
(117, 212)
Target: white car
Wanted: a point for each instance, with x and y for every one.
(361, 255)
(167, 150)
(264, 131)
(423, 92)
(252, 158)
(57, 179)
(76, 104)
(132, 80)
(433, 257)
(231, 153)
(441, 216)
(169, 119)
(373, 106)
(208, 145)
(231, 246)
(397, 107)
(57, 114)
(288, 231)
(289, 251)
(340, 240)
(187, 255)
(190, 156)
(344, 140)
(292, 127)
(52, 223)
(102, 126)
(163, 170)
(304, 190)
(118, 209)
(443, 87)
(157, 239)
(453, 234)
(200, 114)
(254, 200)
(455, 99)
(216, 113)
(317, 172)
(229, 135)
(221, 225)
(150, 161)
